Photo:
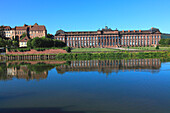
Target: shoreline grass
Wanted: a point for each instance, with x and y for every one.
(148, 48)
(93, 49)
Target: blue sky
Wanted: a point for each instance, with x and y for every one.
(86, 15)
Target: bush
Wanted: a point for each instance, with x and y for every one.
(157, 47)
(68, 49)
(23, 49)
(40, 49)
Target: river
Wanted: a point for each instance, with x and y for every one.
(90, 86)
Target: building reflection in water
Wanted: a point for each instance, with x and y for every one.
(39, 72)
(24, 73)
(109, 66)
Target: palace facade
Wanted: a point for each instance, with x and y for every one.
(110, 38)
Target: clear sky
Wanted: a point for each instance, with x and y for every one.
(86, 15)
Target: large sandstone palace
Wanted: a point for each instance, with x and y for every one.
(110, 38)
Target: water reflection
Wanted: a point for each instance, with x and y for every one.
(109, 66)
(28, 70)
(38, 70)
(133, 86)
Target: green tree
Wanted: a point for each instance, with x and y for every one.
(157, 47)
(24, 35)
(44, 43)
(162, 42)
(15, 44)
(2, 42)
(29, 43)
(36, 42)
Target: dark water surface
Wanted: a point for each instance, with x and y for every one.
(91, 86)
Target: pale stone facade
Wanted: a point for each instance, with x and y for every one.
(110, 38)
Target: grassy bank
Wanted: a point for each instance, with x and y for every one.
(103, 55)
(92, 49)
(148, 48)
(111, 55)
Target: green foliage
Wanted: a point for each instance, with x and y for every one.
(15, 44)
(68, 49)
(110, 55)
(3, 74)
(24, 35)
(4, 42)
(58, 43)
(40, 49)
(164, 42)
(44, 43)
(157, 47)
(29, 44)
(22, 49)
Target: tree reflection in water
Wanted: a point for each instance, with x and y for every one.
(38, 70)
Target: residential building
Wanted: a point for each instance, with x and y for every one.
(5, 31)
(110, 38)
(32, 31)
(23, 41)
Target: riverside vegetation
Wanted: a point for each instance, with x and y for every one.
(108, 55)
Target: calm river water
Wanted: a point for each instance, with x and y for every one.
(91, 86)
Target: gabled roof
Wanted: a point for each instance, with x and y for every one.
(20, 28)
(5, 27)
(37, 27)
(25, 39)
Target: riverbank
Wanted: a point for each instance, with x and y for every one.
(84, 56)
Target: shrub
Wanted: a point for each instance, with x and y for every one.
(157, 47)
(68, 49)
(40, 49)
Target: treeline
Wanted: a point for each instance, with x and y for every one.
(165, 42)
(10, 43)
(44, 43)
